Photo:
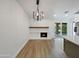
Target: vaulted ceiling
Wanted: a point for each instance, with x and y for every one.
(51, 7)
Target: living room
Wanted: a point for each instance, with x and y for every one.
(21, 23)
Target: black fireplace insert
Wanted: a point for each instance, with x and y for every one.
(43, 34)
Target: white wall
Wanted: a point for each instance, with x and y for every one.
(43, 22)
(51, 24)
(69, 25)
(70, 35)
(75, 38)
(14, 30)
(35, 33)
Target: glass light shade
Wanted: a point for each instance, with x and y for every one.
(38, 15)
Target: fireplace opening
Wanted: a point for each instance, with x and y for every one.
(43, 34)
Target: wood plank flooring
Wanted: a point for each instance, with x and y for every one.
(43, 49)
(36, 49)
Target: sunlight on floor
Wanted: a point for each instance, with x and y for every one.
(57, 50)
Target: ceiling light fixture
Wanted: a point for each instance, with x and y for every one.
(66, 12)
(77, 12)
(38, 15)
(55, 15)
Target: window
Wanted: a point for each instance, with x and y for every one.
(58, 28)
(64, 28)
(61, 28)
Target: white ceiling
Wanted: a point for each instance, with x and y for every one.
(51, 7)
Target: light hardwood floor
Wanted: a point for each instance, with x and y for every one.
(36, 48)
(41, 49)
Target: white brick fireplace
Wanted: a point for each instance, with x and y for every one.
(38, 27)
(39, 32)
